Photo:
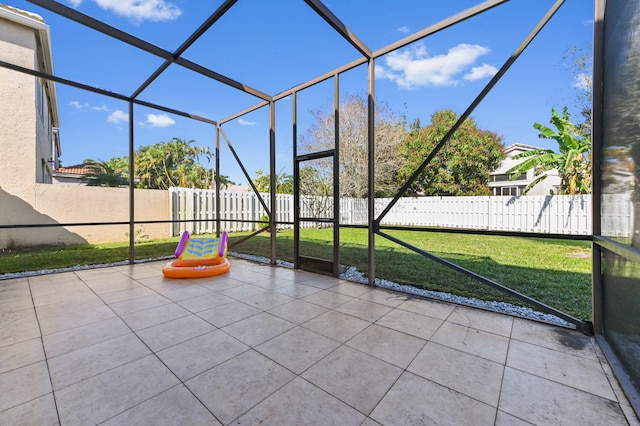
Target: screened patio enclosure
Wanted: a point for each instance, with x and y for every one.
(345, 60)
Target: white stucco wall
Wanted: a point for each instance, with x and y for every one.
(72, 203)
(17, 110)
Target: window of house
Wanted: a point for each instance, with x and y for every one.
(503, 177)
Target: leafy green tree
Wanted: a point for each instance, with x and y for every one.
(284, 182)
(111, 173)
(173, 163)
(573, 162)
(224, 181)
(461, 167)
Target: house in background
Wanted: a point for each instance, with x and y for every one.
(500, 184)
(29, 120)
(70, 174)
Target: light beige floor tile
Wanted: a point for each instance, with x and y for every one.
(176, 406)
(258, 328)
(67, 307)
(430, 308)
(271, 283)
(86, 335)
(24, 384)
(233, 387)
(553, 337)
(354, 377)
(76, 296)
(202, 303)
(178, 291)
(328, 299)
(245, 274)
(298, 311)
(243, 292)
(220, 282)
(323, 282)
(101, 397)
(504, 419)
(414, 400)
(18, 326)
(160, 282)
(66, 321)
(122, 295)
(21, 354)
(385, 297)
(98, 273)
(570, 370)
(368, 311)
(170, 333)
(224, 315)
(90, 361)
(298, 290)
(475, 342)
(66, 284)
(190, 358)
(336, 325)
(267, 300)
(475, 377)
(411, 323)
(12, 290)
(543, 402)
(110, 285)
(297, 349)
(139, 304)
(286, 408)
(351, 289)
(138, 271)
(289, 274)
(154, 316)
(482, 320)
(388, 345)
(632, 419)
(40, 411)
(15, 305)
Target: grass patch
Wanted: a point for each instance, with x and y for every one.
(555, 272)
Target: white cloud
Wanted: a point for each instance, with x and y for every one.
(478, 73)
(162, 120)
(583, 81)
(102, 108)
(246, 123)
(138, 10)
(404, 29)
(118, 116)
(77, 105)
(414, 67)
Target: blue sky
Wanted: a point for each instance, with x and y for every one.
(274, 45)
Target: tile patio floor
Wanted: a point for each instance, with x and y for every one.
(273, 346)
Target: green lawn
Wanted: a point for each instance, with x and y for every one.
(555, 272)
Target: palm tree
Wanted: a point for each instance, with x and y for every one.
(111, 173)
(573, 162)
(173, 163)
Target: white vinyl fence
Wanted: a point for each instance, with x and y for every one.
(560, 214)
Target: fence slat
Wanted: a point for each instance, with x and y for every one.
(562, 214)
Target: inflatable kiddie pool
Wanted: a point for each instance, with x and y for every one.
(199, 257)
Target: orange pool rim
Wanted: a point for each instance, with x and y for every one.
(196, 268)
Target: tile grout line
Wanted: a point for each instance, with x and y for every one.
(44, 352)
(180, 382)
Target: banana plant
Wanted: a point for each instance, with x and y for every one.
(572, 162)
